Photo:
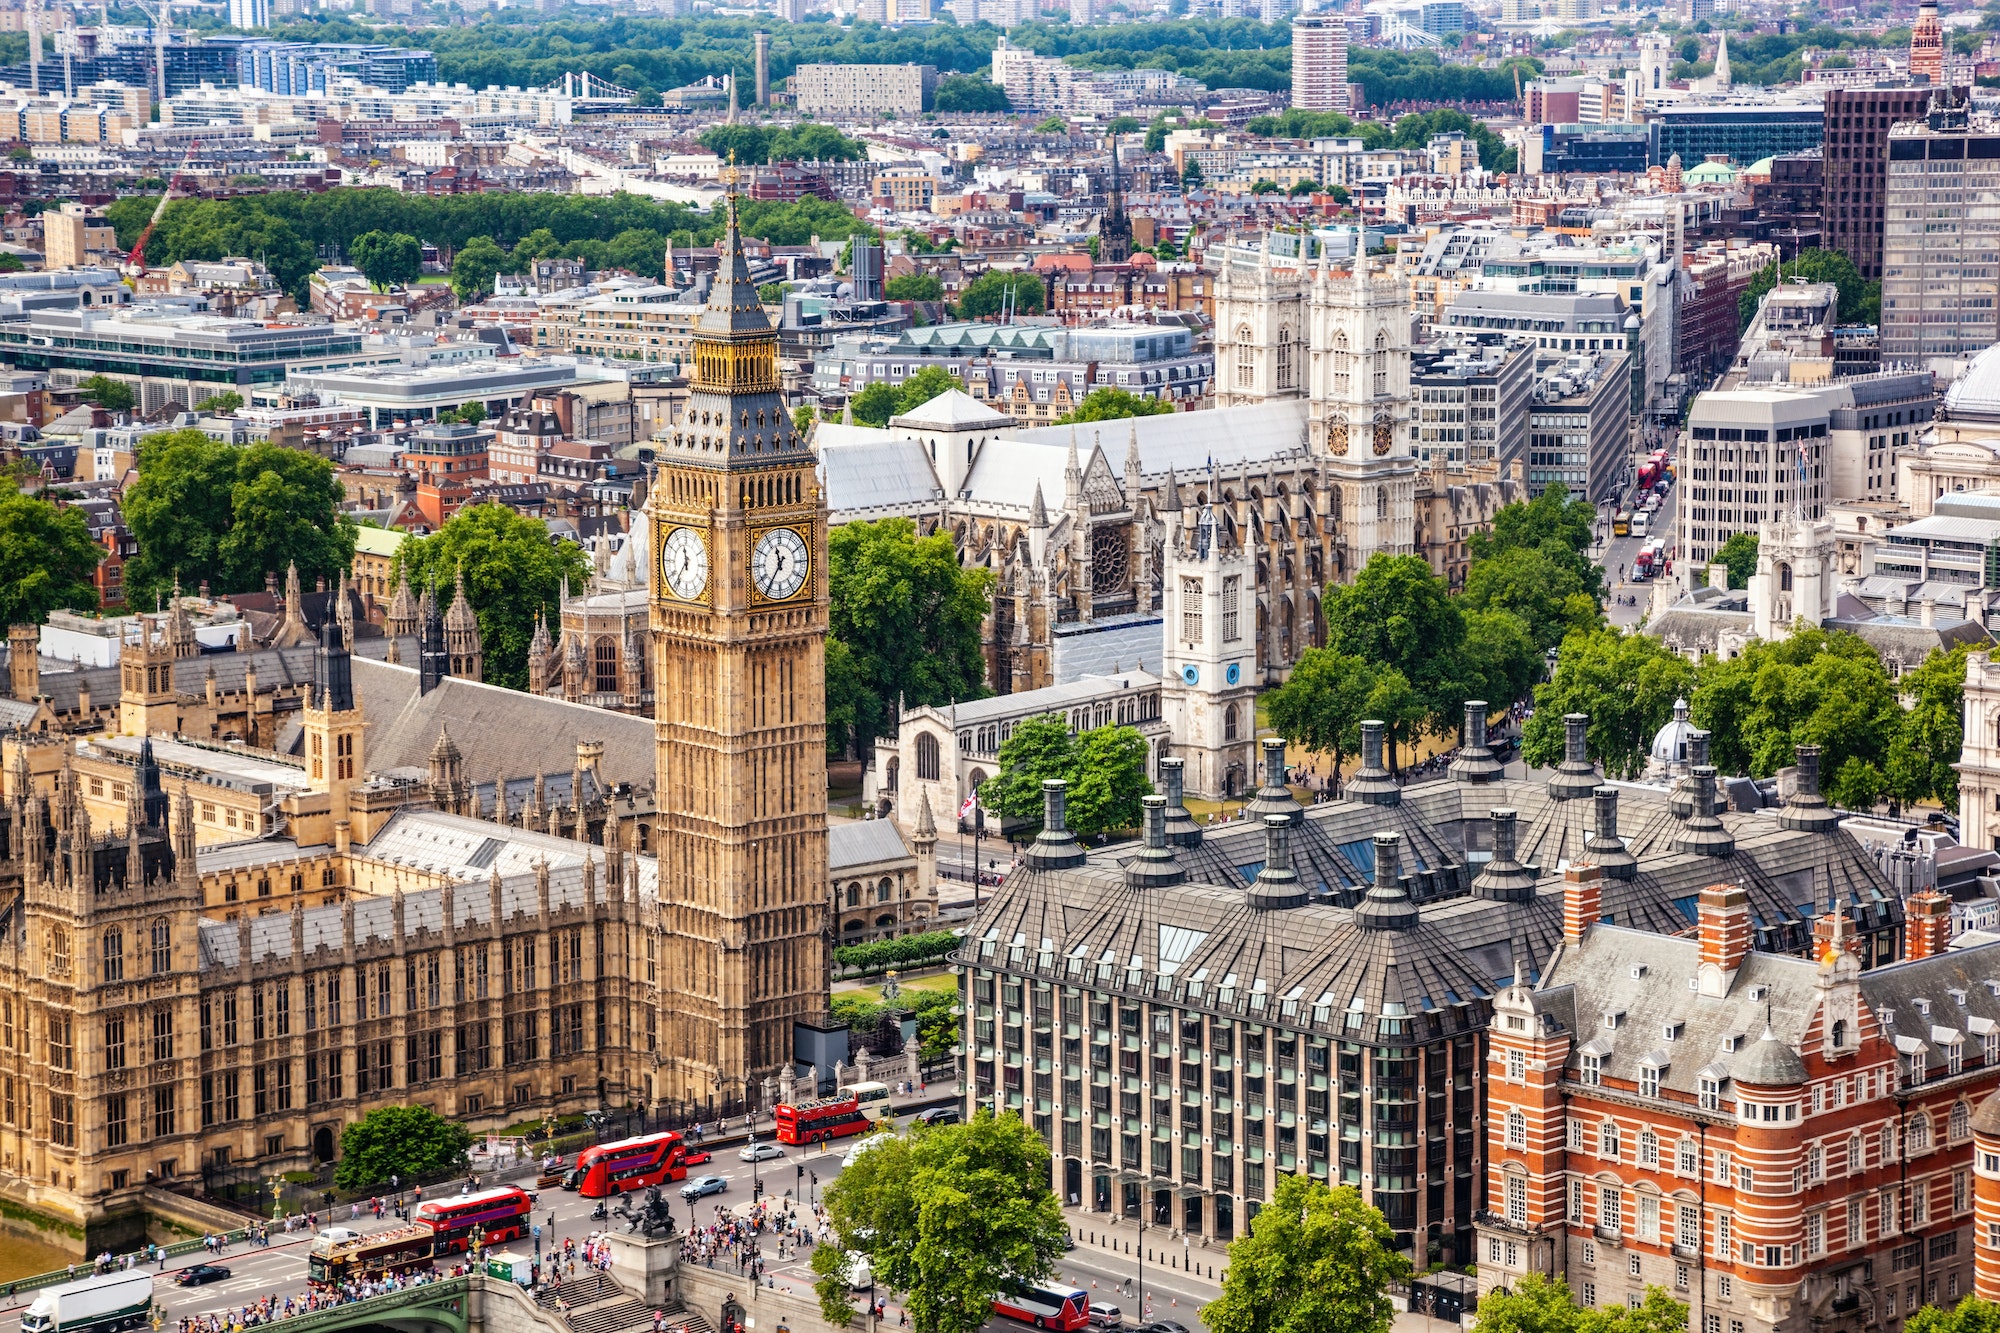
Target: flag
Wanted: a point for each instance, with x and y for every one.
(971, 803)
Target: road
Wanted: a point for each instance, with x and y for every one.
(280, 1269)
(1623, 550)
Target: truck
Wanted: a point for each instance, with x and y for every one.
(94, 1305)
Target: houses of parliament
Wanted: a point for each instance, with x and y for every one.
(413, 888)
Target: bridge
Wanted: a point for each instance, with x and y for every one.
(588, 87)
(452, 1305)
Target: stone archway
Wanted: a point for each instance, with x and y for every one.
(323, 1144)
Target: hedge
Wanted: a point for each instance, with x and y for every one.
(906, 951)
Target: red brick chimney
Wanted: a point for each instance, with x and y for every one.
(1926, 924)
(1724, 922)
(1583, 900)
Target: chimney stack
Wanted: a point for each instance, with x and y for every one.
(1576, 778)
(1807, 811)
(1055, 847)
(1181, 830)
(1607, 850)
(1387, 905)
(1723, 922)
(1504, 879)
(1274, 797)
(1927, 924)
(1703, 834)
(1277, 884)
(1475, 762)
(1583, 900)
(1371, 783)
(1154, 867)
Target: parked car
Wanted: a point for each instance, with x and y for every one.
(201, 1275)
(698, 1157)
(1106, 1316)
(761, 1152)
(702, 1185)
(937, 1115)
(1163, 1326)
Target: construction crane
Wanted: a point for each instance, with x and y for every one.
(135, 263)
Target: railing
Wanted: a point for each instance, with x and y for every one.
(87, 1269)
(428, 1293)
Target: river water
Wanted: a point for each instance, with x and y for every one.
(21, 1257)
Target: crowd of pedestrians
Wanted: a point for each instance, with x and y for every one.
(272, 1309)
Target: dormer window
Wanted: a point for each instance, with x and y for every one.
(1708, 1093)
(1759, 993)
(1592, 1070)
(1613, 1018)
(1923, 1007)
(1649, 1080)
(1957, 997)
(1638, 971)
(1732, 1042)
(1672, 1031)
(1888, 1017)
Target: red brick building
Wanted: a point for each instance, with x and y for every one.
(1783, 1143)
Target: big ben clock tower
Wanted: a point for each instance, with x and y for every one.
(739, 621)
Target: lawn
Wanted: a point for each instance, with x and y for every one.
(872, 991)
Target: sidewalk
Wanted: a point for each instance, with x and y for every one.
(1199, 1262)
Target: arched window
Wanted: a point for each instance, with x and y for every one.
(1839, 1033)
(1920, 1132)
(163, 947)
(604, 657)
(1961, 1121)
(1284, 357)
(1381, 502)
(1246, 359)
(885, 922)
(1784, 578)
(927, 757)
(114, 954)
(1229, 723)
(885, 891)
(854, 895)
(893, 771)
(1517, 1130)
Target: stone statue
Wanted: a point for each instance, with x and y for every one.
(653, 1218)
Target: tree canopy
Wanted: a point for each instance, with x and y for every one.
(1114, 404)
(1627, 683)
(1316, 1260)
(408, 1142)
(474, 268)
(758, 144)
(46, 558)
(969, 93)
(880, 401)
(914, 287)
(1860, 300)
(1323, 703)
(1536, 1305)
(1739, 555)
(985, 295)
(107, 393)
(387, 259)
(224, 514)
(512, 569)
(907, 618)
(1104, 767)
(947, 1215)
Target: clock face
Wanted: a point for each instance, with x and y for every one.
(1385, 435)
(780, 563)
(684, 564)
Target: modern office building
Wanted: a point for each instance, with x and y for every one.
(1941, 236)
(1578, 436)
(313, 67)
(189, 64)
(1856, 162)
(249, 15)
(850, 90)
(1471, 400)
(1585, 150)
(1319, 63)
(1743, 133)
(1752, 456)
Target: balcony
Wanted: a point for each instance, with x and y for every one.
(1689, 1252)
(1609, 1236)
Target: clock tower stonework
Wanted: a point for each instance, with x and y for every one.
(739, 618)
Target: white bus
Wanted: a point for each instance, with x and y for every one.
(873, 1098)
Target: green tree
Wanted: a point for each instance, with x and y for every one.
(909, 614)
(1926, 743)
(1053, 125)
(1971, 1315)
(984, 295)
(1739, 554)
(1040, 748)
(914, 287)
(1817, 687)
(1302, 186)
(227, 515)
(1191, 177)
(969, 93)
(1537, 1305)
(1316, 1260)
(1812, 266)
(1122, 124)
(1114, 404)
(1401, 708)
(1502, 659)
(923, 386)
(1397, 614)
(221, 403)
(109, 394)
(46, 558)
(1263, 186)
(409, 1143)
(387, 259)
(475, 266)
(947, 1215)
(1109, 781)
(874, 405)
(1627, 683)
(1551, 523)
(1536, 585)
(1339, 194)
(513, 570)
(1322, 704)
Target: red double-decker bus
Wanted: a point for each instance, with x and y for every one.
(497, 1214)
(630, 1164)
(1060, 1308)
(826, 1118)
